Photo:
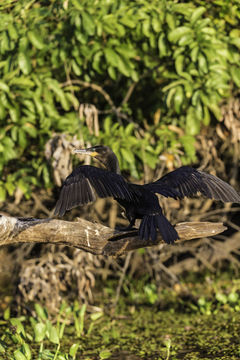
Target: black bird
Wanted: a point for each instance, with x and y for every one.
(139, 201)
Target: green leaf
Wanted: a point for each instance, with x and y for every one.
(194, 53)
(2, 349)
(95, 316)
(4, 86)
(24, 63)
(22, 139)
(3, 112)
(156, 24)
(111, 57)
(39, 331)
(26, 350)
(235, 72)
(146, 28)
(128, 21)
(202, 63)
(5, 43)
(15, 114)
(18, 355)
(236, 42)
(206, 116)
(105, 354)
(76, 68)
(179, 32)
(22, 81)
(53, 335)
(19, 326)
(3, 193)
(73, 350)
(124, 66)
(170, 97)
(179, 62)
(7, 313)
(107, 125)
(150, 159)
(88, 23)
(36, 39)
(30, 130)
(41, 312)
(23, 44)
(127, 155)
(112, 72)
(197, 14)
(221, 298)
(54, 85)
(178, 99)
(215, 110)
(171, 21)
(78, 4)
(96, 64)
(186, 40)
(208, 30)
(129, 129)
(162, 46)
(192, 123)
(12, 31)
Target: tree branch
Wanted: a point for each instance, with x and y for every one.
(95, 87)
(91, 237)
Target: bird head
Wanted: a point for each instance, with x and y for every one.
(103, 154)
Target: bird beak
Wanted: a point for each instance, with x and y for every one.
(85, 152)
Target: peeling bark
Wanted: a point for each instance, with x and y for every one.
(91, 237)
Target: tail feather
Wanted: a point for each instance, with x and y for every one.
(143, 229)
(150, 224)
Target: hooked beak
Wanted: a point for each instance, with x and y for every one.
(85, 152)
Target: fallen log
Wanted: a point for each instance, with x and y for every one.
(91, 237)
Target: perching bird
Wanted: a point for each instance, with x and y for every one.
(139, 201)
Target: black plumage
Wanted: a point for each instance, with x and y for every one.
(139, 201)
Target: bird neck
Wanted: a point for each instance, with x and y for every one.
(112, 164)
(110, 161)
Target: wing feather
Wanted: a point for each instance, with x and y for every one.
(187, 181)
(80, 186)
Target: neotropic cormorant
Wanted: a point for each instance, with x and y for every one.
(139, 201)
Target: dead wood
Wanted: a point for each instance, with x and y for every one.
(91, 237)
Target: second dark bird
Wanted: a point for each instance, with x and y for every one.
(139, 201)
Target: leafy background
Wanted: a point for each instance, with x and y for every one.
(155, 74)
(159, 82)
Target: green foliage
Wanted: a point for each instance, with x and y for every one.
(43, 330)
(149, 322)
(184, 58)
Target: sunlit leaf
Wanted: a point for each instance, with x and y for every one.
(39, 331)
(18, 355)
(4, 86)
(24, 63)
(88, 23)
(197, 14)
(179, 32)
(53, 335)
(73, 350)
(36, 39)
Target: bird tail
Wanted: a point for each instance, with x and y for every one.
(150, 224)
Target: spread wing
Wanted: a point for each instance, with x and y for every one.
(84, 182)
(187, 181)
(163, 189)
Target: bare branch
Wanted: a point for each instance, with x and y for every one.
(92, 86)
(91, 237)
(128, 94)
